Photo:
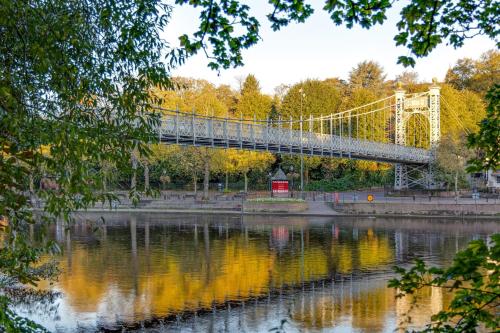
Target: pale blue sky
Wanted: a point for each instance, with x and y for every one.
(316, 49)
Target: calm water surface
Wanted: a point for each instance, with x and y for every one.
(200, 273)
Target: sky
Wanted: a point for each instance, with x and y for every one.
(316, 49)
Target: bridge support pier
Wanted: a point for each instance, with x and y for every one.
(400, 177)
(413, 176)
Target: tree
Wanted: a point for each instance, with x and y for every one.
(250, 85)
(366, 127)
(487, 140)
(164, 157)
(452, 155)
(311, 97)
(190, 163)
(252, 102)
(74, 77)
(473, 280)
(245, 161)
(487, 71)
(460, 76)
(476, 75)
(280, 91)
(228, 97)
(107, 170)
(407, 78)
(310, 162)
(368, 75)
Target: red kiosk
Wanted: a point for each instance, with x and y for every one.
(279, 184)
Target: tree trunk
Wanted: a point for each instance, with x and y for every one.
(206, 178)
(306, 176)
(245, 174)
(32, 184)
(227, 181)
(146, 176)
(195, 183)
(104, 182)
(133, 181)
(456, 184)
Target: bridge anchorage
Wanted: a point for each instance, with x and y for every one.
(402, 129)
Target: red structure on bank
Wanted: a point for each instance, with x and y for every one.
(279, 183)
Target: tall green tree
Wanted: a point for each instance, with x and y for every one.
(252, 102)
(368, 75)
(310, 162)
(461, 74)
(250, 85)
(311, 97)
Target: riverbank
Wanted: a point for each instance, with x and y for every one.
(326, 209)
(343, 205)
(474, 210)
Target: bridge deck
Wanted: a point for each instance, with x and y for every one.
(197, 130)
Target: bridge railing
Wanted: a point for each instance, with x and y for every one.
(210, 128)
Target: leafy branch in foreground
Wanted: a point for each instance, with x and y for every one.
(12, 322)
(75, 81)
(487, 140)
(473, 278)
(228, 27)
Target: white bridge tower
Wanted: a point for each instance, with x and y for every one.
(406, 106)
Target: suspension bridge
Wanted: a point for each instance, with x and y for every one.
(402, 129)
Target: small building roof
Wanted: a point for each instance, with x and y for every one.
(279, 175)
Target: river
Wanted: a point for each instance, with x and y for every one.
(232, 273)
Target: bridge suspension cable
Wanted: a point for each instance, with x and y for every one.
(314, 118)
(454, 113)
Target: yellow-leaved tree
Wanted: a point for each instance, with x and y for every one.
(245, 161)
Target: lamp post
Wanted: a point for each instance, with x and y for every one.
(292, 176)
(302, 96)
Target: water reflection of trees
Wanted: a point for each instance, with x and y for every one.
(146, 269)
(361, 305)
(368, 306)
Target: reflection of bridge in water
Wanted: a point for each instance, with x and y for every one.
(378, 131)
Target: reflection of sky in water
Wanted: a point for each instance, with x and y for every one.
(144, 267)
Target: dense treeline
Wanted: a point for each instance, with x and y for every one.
(188, 167)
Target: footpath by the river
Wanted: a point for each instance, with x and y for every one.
(318, 204)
